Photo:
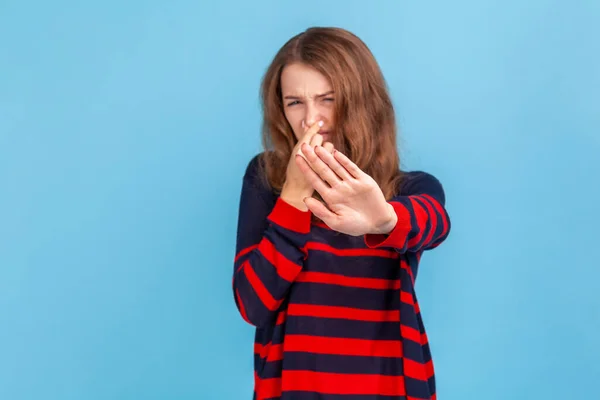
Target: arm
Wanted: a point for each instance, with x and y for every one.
(269, 255)
(421, 220)
(415, 220)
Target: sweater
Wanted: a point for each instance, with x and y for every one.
(336, 316)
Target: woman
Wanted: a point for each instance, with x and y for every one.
(331, 232)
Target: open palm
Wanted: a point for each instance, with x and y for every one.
(355, 204)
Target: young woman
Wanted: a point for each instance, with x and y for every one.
(331, 232)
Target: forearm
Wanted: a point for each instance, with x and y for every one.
(419, 222)
(265, 269)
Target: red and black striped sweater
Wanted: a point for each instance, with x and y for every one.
(336, 316)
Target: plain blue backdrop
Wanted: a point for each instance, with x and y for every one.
(125, 128)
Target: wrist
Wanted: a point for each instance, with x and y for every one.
(386, 226)
(294, 197)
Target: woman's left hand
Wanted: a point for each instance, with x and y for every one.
(355, 203)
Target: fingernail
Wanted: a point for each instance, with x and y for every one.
(320, 123)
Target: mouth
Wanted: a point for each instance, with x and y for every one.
(325, 135)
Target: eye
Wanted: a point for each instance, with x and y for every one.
(293, 103)
(328, 99)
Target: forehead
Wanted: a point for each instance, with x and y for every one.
(303, 80)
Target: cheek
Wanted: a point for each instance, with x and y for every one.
(295, 120)
(328, 112)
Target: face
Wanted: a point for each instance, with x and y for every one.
(307, 99)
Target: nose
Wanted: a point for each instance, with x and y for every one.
(312, 114)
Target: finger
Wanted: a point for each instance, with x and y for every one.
(308, 135)
(328, 146)
(310, 132)
(321, 211)
(332, 163)
(316, 140)
(319, 166)
(311, 176)
(348, 164)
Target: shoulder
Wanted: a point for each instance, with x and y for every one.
(253, 168)
(254, 173)
(421, 182)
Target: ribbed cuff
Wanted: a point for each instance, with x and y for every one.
(289, 217)
(397, 237)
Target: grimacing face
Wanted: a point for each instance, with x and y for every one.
(307, 99)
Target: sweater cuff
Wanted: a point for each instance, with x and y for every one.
(289, 217)
(397, 237)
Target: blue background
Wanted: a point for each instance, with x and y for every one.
(125, 128)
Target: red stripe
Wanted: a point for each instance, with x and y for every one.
(413, 334)
(429, 369)
(267, 388)
(424, 339)
(410, 333)
(244, 252)
(260, 289)
(432, 218)
(281, 317)
(285, 268)
(407, 298)
(421, 216)
(415, 370)
(331, 383)
(351, 252)
(270, 352)
(341, 280)
(306, 310)
(343, 346)
(440, 210)
(289, 217)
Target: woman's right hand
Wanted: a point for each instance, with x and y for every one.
(296, 187)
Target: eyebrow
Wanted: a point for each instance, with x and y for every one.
(317, 96)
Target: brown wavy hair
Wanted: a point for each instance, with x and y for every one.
(365, 124)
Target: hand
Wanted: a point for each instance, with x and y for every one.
(296, 187)
(355, 203)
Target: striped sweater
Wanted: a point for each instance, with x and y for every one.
(336, 316)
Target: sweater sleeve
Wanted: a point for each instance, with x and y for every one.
(423, 221)
(271, 236)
